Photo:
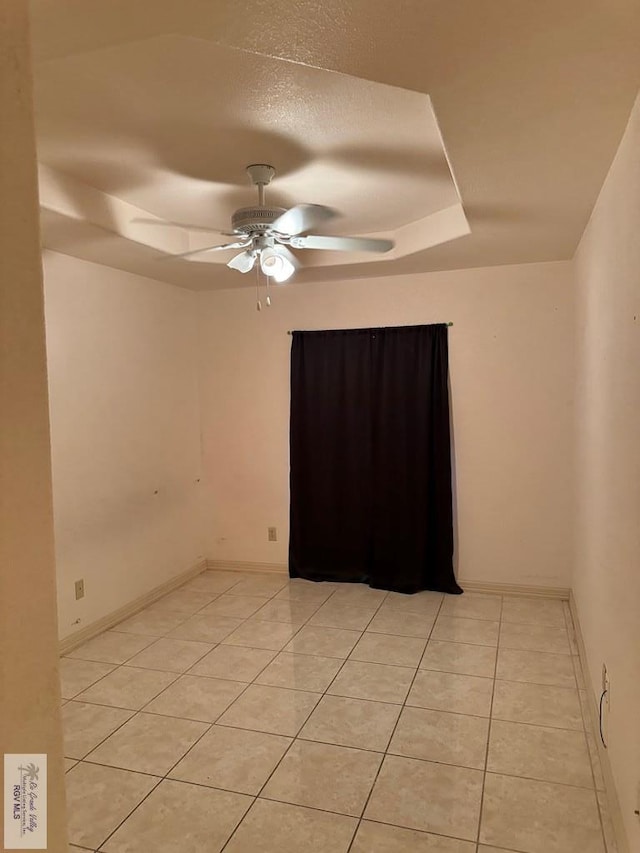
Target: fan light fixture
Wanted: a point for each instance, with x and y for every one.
(276, 265)
(243, 262)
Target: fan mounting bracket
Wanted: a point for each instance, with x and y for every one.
(261, 174)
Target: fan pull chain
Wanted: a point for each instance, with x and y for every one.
(258, 303)
(268, 299)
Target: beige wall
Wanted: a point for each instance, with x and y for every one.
(124, 423)
(29, 686)
(607, 573)
(511, 352)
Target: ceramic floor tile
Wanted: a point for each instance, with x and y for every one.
(401, 624)
(535, 667)
(484, 849)
(342, 616)
(438, 741)
(378, 681)
(238, 606)
(351, 722)
(99, 799)
(196, 698)
(261, 587)
(148, 744)
(439, 736)
(539, 817)
(551, 755)
(128, 687)
(233, 759)
(446, 691)
(271, 827)
(423, 603)
(152, 623)
(270, 709)
(358, 595)
(237, 663)
(477, 632)
(184, 601)
(111, 647)
(538, 704)
(261, 635)
(534, 638)
(533, 611)
(170, 655)
(77, 675)
(306, 592)
(291, 611)
(472, 606)
(327, 642)
(212, 581)
(461, 658)
(431, 797)
(180, 817)
(385, 648)
(205, 629)
(380, 838)
(85, 726)
(300, 672)
(332, 778)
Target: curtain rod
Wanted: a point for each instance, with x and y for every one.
(391, 327)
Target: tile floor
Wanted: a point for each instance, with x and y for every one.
(254, 714)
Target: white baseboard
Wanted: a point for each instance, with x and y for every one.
(592, 704)
(515, 589)
(76, 639)
(244, 566)
(468, 585)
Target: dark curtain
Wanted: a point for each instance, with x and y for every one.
(370, 458)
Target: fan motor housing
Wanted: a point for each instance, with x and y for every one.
(250, 219)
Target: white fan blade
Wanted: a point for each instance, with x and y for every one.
(186, 225)
(301, 218)
(239, 245)
(342, 244)
(244, 262)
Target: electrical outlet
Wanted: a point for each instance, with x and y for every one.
(272, 534)
(80, 589)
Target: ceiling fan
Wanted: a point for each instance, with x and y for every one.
(264, 233)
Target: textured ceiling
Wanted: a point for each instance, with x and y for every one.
(159, 105)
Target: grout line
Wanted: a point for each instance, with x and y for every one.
(486, 754)
(296, 737)
(166, 775)
(137, 806)
(163, 778)
(404, 705)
